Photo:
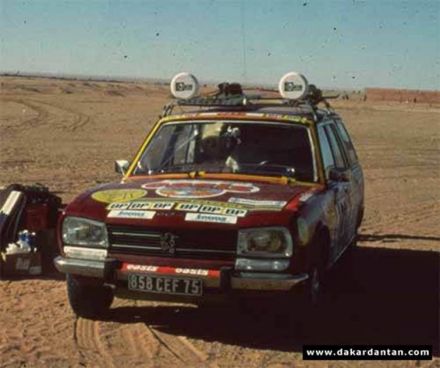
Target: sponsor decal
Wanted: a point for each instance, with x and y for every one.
(131, 214)
(218, 219)
(139, 268)
(258, 203)
(188, 206)
(141, 205)
(221, 210)
(118, 195)
(211, 207)
(198, 188)
(129, 267)
(192, 271)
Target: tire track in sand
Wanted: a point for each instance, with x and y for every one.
(181, 348)
(42, 114)
(79, 119)
(134, 343)
(178, 346)
(92, 344)
(111, 344)
(49, 114)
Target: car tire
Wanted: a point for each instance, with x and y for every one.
(312, 288)
(306, 306)
(347, 271)
(88, 301)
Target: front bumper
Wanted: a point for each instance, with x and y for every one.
(225, 279)
(86, 267)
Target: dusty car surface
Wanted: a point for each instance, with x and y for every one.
(243, 196)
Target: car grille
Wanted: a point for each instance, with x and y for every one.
(205, 244)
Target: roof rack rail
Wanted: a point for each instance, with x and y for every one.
(232, 95)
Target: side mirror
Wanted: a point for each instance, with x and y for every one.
(121, 166)
(339, 175)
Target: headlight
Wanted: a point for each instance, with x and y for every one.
(81, 231)
(265, 242)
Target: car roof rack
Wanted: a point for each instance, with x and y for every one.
(231, 95)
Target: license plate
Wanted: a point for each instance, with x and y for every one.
(165, 285)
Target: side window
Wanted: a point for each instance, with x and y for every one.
(346, 141)
(337, 153)
(327, 155)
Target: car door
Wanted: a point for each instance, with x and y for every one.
(345, 193)
(338, 211)
(356, 175)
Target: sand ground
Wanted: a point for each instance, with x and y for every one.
(66, 135)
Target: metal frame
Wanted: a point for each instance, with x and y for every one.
(245, 102)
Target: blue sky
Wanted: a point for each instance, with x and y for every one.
(342, 44)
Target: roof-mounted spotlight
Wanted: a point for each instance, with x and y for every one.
(293, 86)
(184, 86)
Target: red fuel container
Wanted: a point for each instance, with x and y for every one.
(37, 217)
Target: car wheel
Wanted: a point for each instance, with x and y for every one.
(313, 287)
(347, 271)
(307, 316)
(88, 301)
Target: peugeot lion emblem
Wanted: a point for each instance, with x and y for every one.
(168, 243)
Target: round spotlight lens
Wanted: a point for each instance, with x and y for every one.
(184, 86)
(293, 86)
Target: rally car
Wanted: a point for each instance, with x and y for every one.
(241, 196)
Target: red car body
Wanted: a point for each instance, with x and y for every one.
(186, 225)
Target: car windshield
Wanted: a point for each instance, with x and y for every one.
(276, 149)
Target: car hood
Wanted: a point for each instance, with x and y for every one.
(191, 202)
